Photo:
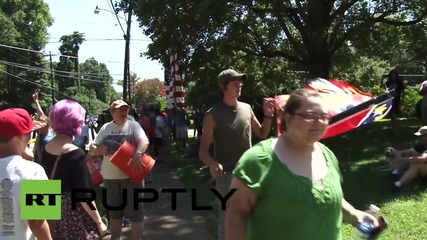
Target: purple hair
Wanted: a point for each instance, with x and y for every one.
(67, 117)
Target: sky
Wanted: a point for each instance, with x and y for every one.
(78, 15)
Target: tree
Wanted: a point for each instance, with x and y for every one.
(68, 61)
(95, 76)
(22, 24)
(148, 91)
(307, 33)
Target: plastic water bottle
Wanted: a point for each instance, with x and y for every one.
(364, 230)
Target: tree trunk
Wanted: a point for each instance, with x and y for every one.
(319, 60)
(319, 67)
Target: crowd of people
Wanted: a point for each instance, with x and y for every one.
(60, 152)
(293, 168)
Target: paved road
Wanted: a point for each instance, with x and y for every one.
(161, 222)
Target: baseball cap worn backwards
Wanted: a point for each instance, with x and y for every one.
(15, 122)
(230, 75)
(118, 104)
(422, 131)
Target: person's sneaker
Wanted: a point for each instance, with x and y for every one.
(126, 222)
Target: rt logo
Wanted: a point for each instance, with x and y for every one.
(40, 199)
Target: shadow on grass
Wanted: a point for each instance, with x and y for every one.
(361, 157)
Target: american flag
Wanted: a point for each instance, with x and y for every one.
(175, 94)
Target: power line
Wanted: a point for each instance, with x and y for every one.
(117, 17)
(34, 83)
(103, 39)
(45, 55)
(60, 71)
(23, 49)
(44, 70)
(84, 22)
(34, 51)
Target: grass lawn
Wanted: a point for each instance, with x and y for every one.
(361, 154)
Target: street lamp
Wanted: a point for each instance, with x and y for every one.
(126, 36)
(97, 9)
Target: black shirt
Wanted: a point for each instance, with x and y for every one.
(397, 85)
(71, 169)
(420, 148)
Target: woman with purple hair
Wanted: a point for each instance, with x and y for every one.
(62, 160)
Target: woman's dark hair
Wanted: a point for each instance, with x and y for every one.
(297, 98)
(295, 101)
(391, 73)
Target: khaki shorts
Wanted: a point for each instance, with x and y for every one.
(114, 189)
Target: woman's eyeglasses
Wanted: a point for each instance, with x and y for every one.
(311, 117)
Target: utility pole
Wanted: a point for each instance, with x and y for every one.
(127, 86)
(51, 78)
(126, 82)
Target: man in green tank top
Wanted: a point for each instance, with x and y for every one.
(229, 124)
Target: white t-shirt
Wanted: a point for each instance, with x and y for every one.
(160, 123)
(112, 136)
(13, 169)
(423, 85)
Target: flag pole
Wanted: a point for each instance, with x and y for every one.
(347, 113)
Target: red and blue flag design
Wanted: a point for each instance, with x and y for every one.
(343, 97)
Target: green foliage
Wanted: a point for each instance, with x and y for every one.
(306, 34)
(409, 101)
(22, 24)
(95, 76)
(161, 100)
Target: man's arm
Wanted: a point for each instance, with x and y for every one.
(206, 140)
(261, 131)
(39, 109)
(96, 149)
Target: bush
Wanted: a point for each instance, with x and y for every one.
(409, 102)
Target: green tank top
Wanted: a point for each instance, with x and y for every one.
(290, 206)
(232, 133)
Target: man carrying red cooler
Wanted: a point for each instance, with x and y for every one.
(110, 138)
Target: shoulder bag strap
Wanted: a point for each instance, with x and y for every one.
(56, 163)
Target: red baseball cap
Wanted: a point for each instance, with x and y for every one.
(15, 122)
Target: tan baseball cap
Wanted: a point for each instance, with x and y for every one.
(230, 75)
(118, 104)
(422, 131)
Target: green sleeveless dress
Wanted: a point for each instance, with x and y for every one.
(290, 206)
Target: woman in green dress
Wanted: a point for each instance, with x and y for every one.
(290, 187)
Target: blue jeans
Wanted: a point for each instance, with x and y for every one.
(222, 185)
